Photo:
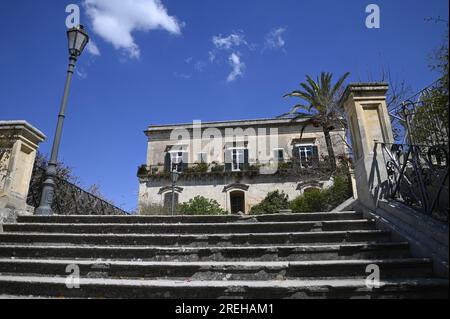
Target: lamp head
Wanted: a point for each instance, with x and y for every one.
(78, 39)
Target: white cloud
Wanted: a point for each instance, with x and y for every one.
(182, 76)
(116, 20)
(225, 43)
(229, 43)
(212, 56)
(200, 65)
(237, 65)
(275, 40)
(82, 74)
(92, 48)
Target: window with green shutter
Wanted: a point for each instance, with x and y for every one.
(307, 155)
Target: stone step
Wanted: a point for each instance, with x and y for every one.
(153, 289)
(188, 219)
(211, 228)
(394, 268)
(199, 239)
(190, 254)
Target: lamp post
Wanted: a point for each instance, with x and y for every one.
(78, 39)
(174, 175)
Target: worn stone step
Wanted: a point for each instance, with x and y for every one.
(188, 219)
(260, 253)
(199, 239)
(393, 268)
(153, 289)
(211, 228)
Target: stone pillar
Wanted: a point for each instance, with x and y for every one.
(21, 141)
(369, 122)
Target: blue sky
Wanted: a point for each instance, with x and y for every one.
(192, 59)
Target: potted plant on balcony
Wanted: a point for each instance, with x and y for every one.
(143, 171)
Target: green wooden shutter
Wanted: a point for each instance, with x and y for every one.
(167, 163)
(246, 160)
(185, 165)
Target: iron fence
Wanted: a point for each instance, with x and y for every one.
(70, 199)
(418, 177)
(418, 165)
(422, 119)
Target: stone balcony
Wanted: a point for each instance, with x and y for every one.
(313, 170)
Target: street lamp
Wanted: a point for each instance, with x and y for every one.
(174, 175)
(78, 39)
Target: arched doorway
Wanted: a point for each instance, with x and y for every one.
(237, 201)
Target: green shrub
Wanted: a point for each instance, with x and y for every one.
(324, 200)
(340, 191)
(217, 168)
(197, 168)
(312, 201)
(283, 166)
(201, 206)
(272, 204)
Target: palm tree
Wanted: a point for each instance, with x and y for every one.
(322, 106)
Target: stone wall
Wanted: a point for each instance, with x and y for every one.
(219, 189)
(16, 168)
(365, 105)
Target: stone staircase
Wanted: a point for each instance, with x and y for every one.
(322, 255)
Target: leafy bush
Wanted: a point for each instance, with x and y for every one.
(312, 201)
(142, 171)
(197, 168)
(282, 166)
(324, 200)
(217, 168)
(272, 204)
(201, 206)
(340, 191)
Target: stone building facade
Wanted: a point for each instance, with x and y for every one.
(236, 163)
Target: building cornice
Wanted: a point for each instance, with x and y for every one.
(362, 88)
(224, 124)
(29, 131)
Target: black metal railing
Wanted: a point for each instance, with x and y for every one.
(422, 119)
(418, 165)
(70, 199)
(418, 177)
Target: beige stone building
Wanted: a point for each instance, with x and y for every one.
(236, 163)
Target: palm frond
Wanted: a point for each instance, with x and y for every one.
(339, 83)
(320, 95)
(309, 91)
(293, 94)
(300, 108)
(314, 85)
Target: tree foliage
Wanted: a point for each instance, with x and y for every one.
(272, 204)
(430, 124)
(201, 206)
(317, 200)
(322, 106)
